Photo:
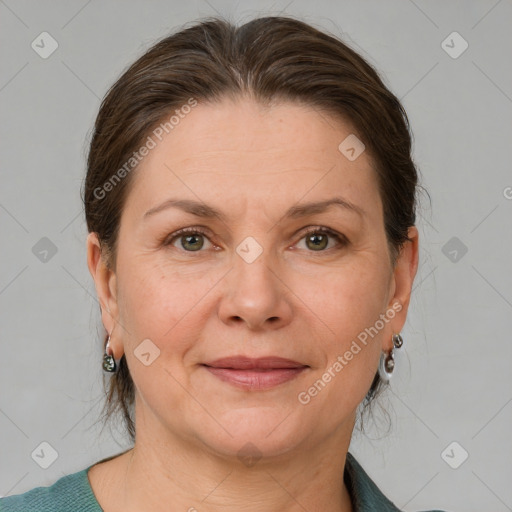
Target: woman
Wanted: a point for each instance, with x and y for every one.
(250, 200)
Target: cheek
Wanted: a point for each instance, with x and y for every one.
(163, 305)
(346, 310)
(351, 298)
(159, 308)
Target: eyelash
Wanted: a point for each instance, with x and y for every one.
(341, 239)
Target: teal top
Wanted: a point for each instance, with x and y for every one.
(74, 493)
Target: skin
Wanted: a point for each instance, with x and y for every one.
(293, 301)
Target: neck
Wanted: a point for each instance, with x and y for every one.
(179, 473)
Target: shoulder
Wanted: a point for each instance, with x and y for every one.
(71, 492)
(365, 494)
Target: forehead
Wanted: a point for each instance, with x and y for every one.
(243, 153)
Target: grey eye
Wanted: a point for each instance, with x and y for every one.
(317, 241)
(192, 242)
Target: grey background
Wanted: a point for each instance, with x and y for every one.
(454, 381)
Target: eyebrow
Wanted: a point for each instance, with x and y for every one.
(203, 210)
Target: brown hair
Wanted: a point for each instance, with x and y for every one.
(270, 58)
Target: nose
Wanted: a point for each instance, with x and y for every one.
(255, 295)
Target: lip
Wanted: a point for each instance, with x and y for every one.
(255, 373)
(251, 363)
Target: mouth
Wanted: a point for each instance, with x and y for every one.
(255, 373)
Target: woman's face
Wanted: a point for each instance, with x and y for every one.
(253, 283)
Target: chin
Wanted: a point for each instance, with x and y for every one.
(254, 433)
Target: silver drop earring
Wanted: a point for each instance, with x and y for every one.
(109, 363)
(387, 361)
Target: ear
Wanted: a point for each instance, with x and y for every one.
(106, 289)
(402, 281)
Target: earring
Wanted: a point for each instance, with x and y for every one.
(387, 361)
(109, 363)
